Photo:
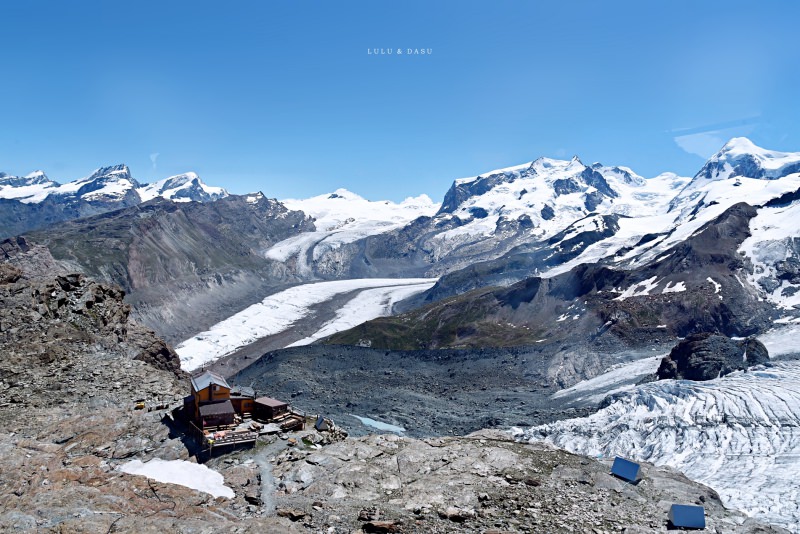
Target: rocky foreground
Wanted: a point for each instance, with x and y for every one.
(73, 365)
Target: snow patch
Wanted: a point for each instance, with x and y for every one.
(182, 473)
(717, 285)
(679, 287)
(642, 288)
(380, 425)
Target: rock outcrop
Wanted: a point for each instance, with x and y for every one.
(480, 483)
(706, 356)
(73, 367)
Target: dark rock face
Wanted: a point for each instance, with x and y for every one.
(461, 191)
(593, 200)
(53, 320)
(566, 186)
(595, 179)
(748, 166)
(706, 356)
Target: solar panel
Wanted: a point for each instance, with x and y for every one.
(625, 469)
(687, 516)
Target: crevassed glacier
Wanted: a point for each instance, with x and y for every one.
(739, 434)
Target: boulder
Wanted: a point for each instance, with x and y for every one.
(706, 356)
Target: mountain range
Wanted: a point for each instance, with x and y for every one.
(540, 296)
(34, 201)
(543, 220)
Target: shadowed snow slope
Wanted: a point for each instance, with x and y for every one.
(743, 427)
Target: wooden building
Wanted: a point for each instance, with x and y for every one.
(214, 402)
(267, 409)
(207, 388)
(243, 399)
(216, 414)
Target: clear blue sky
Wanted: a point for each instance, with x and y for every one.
(281, 95)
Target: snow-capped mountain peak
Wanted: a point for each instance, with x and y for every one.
(35, 185)
(106, 184)
(740, 157)
(106, 188)
(741, 145)
(344, 194)
(37, 177)
(575, 163)
(116, 172)
(34, 178)
(343, 217)
(186, 187)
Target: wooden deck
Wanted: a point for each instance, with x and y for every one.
(231, 438)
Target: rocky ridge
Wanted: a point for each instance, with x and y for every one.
(73, 367)
(482, 483)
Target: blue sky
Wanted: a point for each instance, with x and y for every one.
(281, 96)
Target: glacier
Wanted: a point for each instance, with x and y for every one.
(279, 312)
(739, 434)
(343, 217)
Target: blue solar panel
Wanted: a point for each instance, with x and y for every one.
(687, 516)
(625, 469)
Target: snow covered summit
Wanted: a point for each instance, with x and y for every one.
(34, 201)
(740, 157)
(107, 184)
(186, 187)
(343, 217)
(22, 187)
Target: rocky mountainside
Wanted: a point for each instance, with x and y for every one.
(74, 365)
(184, 265)
(46, 321)
(483, 483)
(541, 219)
(697, 285)
(34, 201)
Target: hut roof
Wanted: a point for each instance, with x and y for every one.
(243, 391)
(206, 378)
(217, 408)
(273, 403)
